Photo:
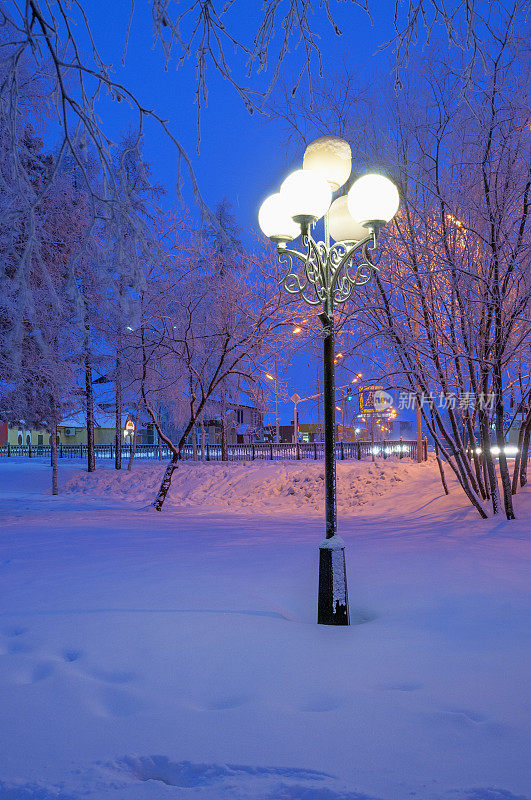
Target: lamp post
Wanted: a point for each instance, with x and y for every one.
(296, 399)
(325, 275)
(277, 418)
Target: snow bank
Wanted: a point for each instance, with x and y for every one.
(177, 656)
(256, 485)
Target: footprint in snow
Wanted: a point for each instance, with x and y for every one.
(220, 703)
(114, 676)
(118, 703)
(471, 716)
(31, 791)
(36, 674)
(42, 671)
(71, 655)
(238, 781)
(466, 721)
(403, 687)
(11, 633)
(189, 775)
(489, 794)
(15, 647)
(113, 702)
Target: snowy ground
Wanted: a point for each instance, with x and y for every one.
(174, 656)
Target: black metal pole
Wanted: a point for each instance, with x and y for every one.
(332, 605)
(329, 429)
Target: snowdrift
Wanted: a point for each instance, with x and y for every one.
(257, 485)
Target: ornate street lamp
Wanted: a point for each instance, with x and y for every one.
(325, 275)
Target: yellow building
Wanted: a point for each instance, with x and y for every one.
(72, 430)
(15, 433)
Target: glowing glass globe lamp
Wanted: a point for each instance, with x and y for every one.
(307, 196)
(342, 226)
(331, 157)
(373, 201)
(275, 220)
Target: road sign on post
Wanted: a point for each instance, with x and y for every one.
(367, 398)
(374, 400)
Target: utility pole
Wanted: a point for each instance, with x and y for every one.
(295, 398)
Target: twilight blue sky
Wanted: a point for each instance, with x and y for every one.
(242, 157)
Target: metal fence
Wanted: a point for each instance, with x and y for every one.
(236, 452)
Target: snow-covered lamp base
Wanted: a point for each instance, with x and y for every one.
(332, 606)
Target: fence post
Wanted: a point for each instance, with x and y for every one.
(401, 453)
(298, 452)
(207, 448)
(341, 450)
(271, 451)
(315, 451)
(252, 449)
(359, 451)
(8, 449)
(425, 448)
(29, 450)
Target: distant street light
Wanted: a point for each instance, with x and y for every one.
(277, 419)
(326, 275)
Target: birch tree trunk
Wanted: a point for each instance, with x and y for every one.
(518, 461)
(525, 454)
(203, 439)
(224, 448)
(500, 439)
(441, 469)
(173, 464)
(55, 489)
(89, 400)
(118, 406)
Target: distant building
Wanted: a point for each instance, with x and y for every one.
(401, 428)
(73, 429)
(244, 425)
(17, 433)
(311, 432)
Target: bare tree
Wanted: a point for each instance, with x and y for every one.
(457, 258)
(201, 332)
(52, 35)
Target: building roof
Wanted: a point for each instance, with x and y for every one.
(102, 419)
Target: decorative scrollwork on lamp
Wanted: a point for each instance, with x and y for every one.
(326, 273)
